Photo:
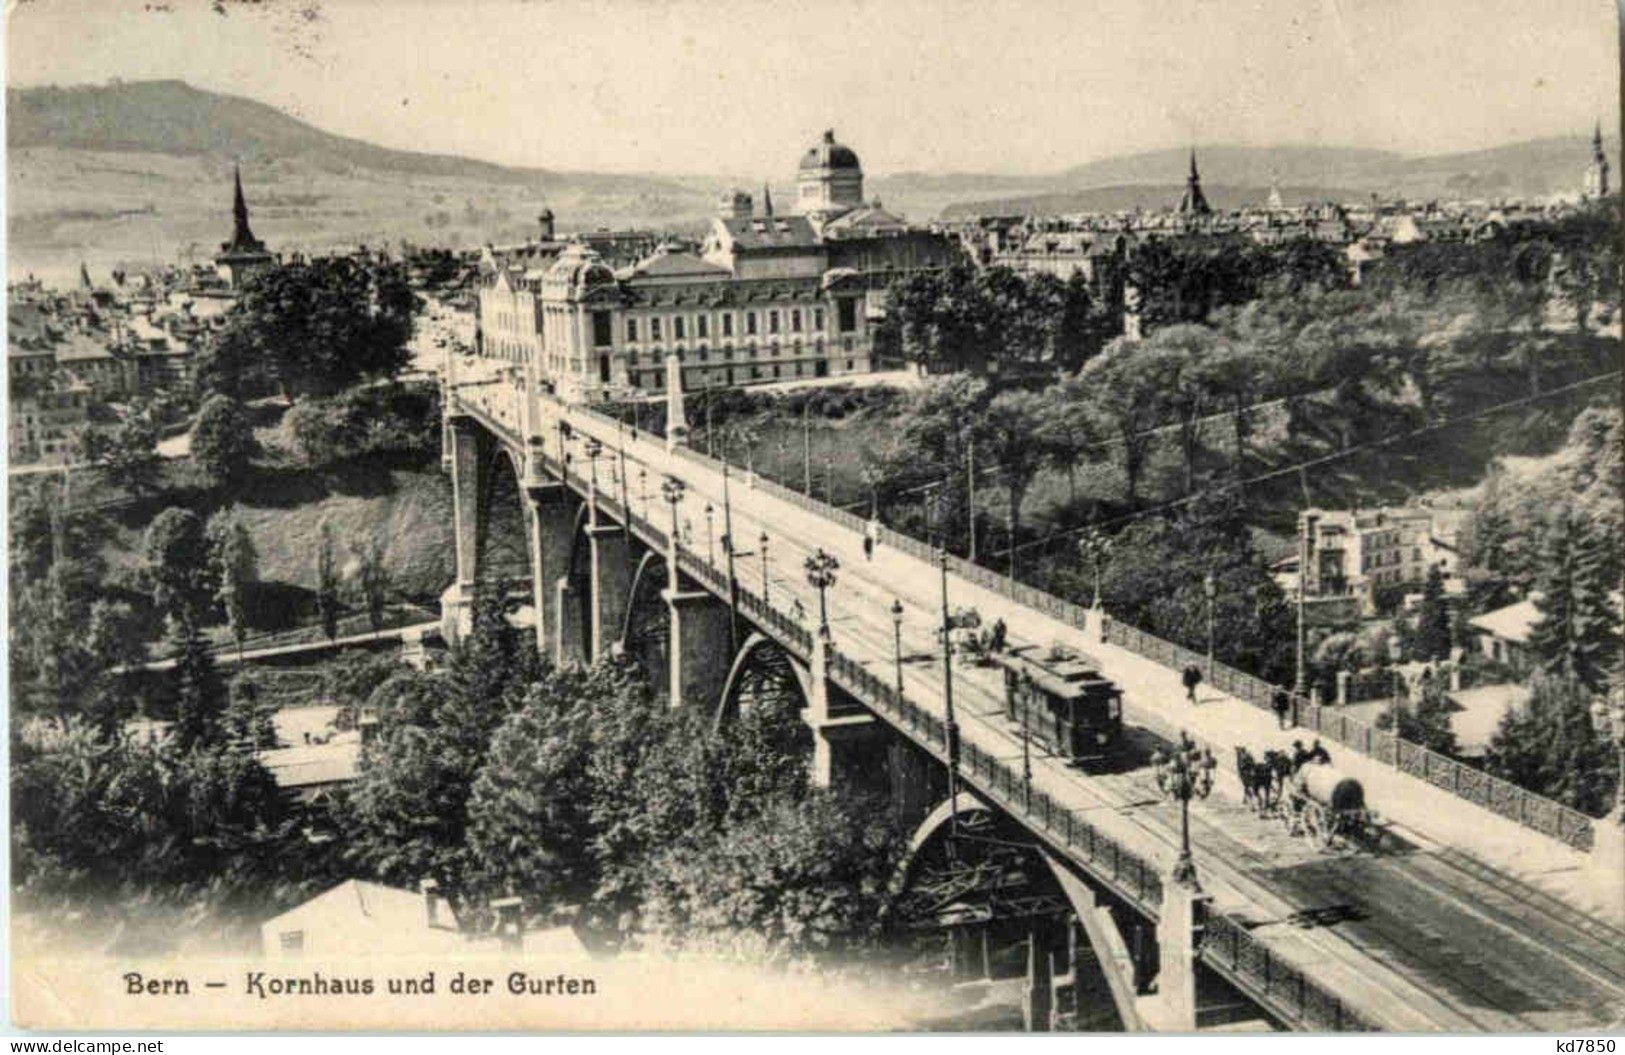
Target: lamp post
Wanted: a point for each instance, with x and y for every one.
(1092, 550)
(1182, 775)
(762, 542)
(643, 490)
(594, 449)
(673, 489)
(821, 568)
(950, 727)
(710, 543)
(1022, 699)
(1300, 678)
(897, 642)
(1210, 589)
(564, 436)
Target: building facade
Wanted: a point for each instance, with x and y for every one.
(1359, 552)
(763, 298)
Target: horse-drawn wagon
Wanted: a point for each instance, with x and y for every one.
(1324, 804)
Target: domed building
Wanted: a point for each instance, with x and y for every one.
(829, 180)
(766, 298)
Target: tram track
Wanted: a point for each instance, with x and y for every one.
(1401, 902)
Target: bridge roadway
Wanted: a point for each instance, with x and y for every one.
(1413, 936)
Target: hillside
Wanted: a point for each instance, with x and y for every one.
(1139, 196)
(136, 172)
(132, 172)
(1234, 176)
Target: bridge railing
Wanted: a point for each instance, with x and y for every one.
(1227, 946)
(1526, 808)
(1136, 879)
(1499, 796)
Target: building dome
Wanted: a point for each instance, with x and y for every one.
(579, 269)
(828, 154)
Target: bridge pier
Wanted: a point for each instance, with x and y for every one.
(1038, 995)
(701, 652)
(610, 553)
(466, 454)
(569, 636)
(845, 740)
(550, 519)
(1172, 1009)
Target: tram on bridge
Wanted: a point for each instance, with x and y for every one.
(1059, 696)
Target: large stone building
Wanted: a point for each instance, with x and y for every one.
(764, 298)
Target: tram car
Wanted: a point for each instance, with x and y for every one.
(1060, 698)
(1324, 805)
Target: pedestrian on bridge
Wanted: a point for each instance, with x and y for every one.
(871, 535)
(1193, 678)
(1282, 705)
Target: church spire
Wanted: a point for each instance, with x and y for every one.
(242, 239)
(1194, 202)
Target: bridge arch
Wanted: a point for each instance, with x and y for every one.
(762, 673)
(502, 541)
(964, 849)
(646, 637)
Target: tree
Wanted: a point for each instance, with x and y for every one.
(248, 722)
(1428, 722)
(1577, 635)
(1012, 431)
(223, 440)
(1128, 400)
(1178, 356)
(200, 698)
(1433, 622)
(327, 583)
(235, 564)
(1550, 746)
(372, 580)
(178, 570)
(802, 881)
(1068, 429)
(315, 328)
(530, 812)
(128, 453)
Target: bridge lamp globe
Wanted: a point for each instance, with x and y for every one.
(821, 568)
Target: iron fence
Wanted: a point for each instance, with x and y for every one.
(1227, 946)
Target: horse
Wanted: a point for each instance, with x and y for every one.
(1256, 779)
(1280, 768)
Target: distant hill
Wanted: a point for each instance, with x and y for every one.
(131, 172)
(1138, 196)
(1234, 176)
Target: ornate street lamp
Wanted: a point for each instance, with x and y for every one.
(594, 449)
(672, 488)
(763, 543)
(710, 545)
(1210, 589)
(1092, 550)
(821, 568)
(897, 642)
(1183, 774)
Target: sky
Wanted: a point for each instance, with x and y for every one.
(1017, 86)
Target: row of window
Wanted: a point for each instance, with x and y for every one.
(656, 379)
(749, 351)
(702, 324)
